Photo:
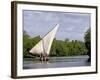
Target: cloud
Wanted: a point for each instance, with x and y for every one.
(72, 25)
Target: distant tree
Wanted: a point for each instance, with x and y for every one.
(25, 34)
(58, 48)
(66, 40)
(88, 42)
(26, 44)
(35, 40)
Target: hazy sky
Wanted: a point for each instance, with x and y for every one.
(72, 25)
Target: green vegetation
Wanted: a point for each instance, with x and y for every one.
(68, 48)
(28, 43)
(88, 42)
(59, 47)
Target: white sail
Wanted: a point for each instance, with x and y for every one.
(38, 48)
(44, 45)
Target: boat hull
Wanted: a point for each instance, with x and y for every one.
(44, 59)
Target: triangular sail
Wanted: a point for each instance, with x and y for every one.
(44, 45)
(38, 48)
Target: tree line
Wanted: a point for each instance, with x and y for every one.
(60, 47)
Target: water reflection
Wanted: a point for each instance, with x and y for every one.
(57, 62)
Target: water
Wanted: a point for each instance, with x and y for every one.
(56, 62)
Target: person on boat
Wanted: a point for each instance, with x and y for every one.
(41, 57)
(44, 57)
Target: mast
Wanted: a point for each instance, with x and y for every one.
(44, 45)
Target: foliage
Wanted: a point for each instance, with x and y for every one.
(59, 47)
(88, 41)
(28, 43)
(68, 48)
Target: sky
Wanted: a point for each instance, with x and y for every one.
(72, 25)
